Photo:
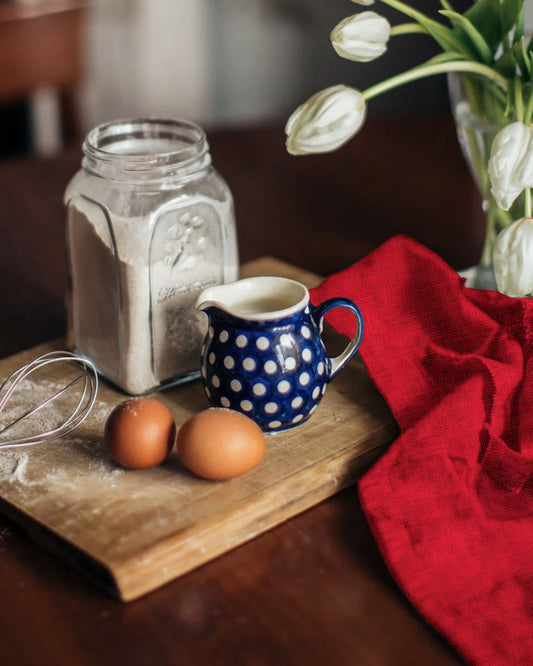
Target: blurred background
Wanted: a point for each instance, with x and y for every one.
(217, 62)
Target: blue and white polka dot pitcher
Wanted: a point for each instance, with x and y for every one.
(263, 354)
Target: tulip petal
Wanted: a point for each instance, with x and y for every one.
(326, 121)
(362, 37)
(513, 259)
(508, 152)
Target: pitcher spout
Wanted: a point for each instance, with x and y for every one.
(260, 298)
(211, 297)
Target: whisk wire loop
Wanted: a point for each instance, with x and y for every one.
(79, 412)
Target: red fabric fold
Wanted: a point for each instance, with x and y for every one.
(451, 502)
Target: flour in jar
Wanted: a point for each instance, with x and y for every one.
(133, 285)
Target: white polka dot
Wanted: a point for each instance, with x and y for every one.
(304, 378)
(323, 389)
(262, 343)
(271, 407)
(284, 386)
(211, 331)
(290, 363)
(306, 355)
(241, 341)
(297, 418)
(246, 405)
(306, 309)
(207, 392)
(313, 409)
(235, 385)
(305, 332)
(274, 424)
(223, 337)
(224, 402)
(270, 367)
(259, 389)
(320, 368)
(203, 371)
(285, 340)
(215, 381)
(229, 362)
(248, 364)
(297, 402)
(211, 358)
(316, 392)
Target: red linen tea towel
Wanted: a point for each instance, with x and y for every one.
(451, 502)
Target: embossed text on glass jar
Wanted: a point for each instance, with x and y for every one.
(150, 224)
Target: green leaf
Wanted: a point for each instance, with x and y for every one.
(520, 26)
(522, 58)
(511, 15)
(446, 37)
(485, 16)
(462, 24)
(494, 19)
(506, 64)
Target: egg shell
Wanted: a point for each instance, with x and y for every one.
(220, 444)
(140, 433)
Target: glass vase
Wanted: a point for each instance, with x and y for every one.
(478, 108)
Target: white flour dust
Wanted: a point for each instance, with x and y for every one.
(61, 462)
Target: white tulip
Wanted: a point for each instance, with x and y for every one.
(362, 37)
(513, 258)
(511, 163)
(326, 121)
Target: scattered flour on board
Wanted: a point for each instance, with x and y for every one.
(52, 463)
(77, 465)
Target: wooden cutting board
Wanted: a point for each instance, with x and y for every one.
(132, 531)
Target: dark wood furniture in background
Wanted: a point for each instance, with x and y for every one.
(41, 45)
(313, 590)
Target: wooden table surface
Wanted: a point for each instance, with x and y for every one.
(313, 590)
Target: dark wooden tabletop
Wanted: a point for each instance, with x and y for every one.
(313, 590)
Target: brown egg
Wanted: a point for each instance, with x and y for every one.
(140, 433)
(220, 444)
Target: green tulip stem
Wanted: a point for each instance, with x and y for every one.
(438, 30)
(528, 113)
(432, 69)
(407, 29)
(518, 100)
(527, 202)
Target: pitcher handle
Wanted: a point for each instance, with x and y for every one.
(338, 362)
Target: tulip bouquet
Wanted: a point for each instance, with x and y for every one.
(487, 47)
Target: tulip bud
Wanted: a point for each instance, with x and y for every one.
(511, 163)
(326, 121)
(362, 37)
(513, 258)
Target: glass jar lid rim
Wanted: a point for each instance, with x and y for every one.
(190, 139)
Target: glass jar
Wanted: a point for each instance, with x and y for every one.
(150, 224)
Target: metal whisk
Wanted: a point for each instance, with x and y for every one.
(88, 388)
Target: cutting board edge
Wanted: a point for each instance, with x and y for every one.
(338, 474)
(89, 567)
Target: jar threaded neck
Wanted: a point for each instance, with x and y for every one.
(143, 149)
